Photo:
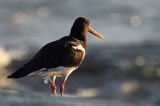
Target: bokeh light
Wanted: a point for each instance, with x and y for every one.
(5, 58)
(20, 18)
(140, 60)
(135, 20)
(43, 12)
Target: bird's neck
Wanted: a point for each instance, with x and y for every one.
(80, 36)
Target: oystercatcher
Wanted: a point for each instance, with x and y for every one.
(59, 58)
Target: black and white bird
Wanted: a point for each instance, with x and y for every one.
(59, 58)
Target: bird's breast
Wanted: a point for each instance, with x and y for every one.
(79, 50)
(77, 54)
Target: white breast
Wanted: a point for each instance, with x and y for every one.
(59, 71)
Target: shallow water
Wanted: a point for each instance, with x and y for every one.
(10, 98)
(38, 22)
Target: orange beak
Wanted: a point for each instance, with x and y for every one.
(91, 30)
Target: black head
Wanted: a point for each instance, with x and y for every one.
(80, 28)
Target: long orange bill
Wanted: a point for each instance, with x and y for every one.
(91, 30)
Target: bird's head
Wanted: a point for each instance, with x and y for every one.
(80, 27)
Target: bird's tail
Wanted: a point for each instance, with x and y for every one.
(18, 74)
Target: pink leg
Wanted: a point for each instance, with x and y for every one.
(53, 86)
(62, 87)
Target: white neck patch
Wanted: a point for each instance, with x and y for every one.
(79, 47)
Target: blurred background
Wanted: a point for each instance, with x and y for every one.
(125, 65)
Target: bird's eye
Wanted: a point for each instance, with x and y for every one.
(87, 23)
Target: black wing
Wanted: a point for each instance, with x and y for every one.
(54, 54)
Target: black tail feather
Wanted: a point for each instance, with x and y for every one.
(18, 74)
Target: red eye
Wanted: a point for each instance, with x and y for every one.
(87, 23)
